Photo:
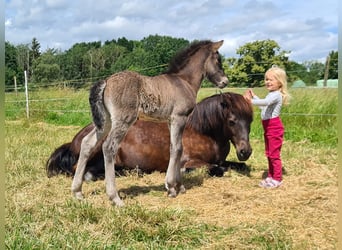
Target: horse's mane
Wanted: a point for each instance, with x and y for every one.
(181, 59)
(212, 112)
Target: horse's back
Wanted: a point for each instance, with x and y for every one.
(122, 87)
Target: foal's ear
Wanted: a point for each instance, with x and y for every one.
(217, 45)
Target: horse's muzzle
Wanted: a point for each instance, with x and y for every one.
(243, 154)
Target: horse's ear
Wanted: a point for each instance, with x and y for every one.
(217, 45)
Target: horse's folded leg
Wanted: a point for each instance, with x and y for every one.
(215, 170)
(88, 177)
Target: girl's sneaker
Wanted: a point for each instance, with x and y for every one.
(264, 182)
(270, 183)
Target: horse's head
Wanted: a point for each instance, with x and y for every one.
(239, 117)
(225, 117)
(213, 66)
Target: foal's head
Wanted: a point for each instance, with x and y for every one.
(213, 66)
(204, 59)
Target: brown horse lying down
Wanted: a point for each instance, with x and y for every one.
(214, 123)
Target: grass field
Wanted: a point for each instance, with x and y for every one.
(231, 212)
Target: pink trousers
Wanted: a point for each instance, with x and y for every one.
(274, 136)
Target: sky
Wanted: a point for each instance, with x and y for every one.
(307, 29)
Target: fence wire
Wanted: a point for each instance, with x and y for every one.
(87, 111)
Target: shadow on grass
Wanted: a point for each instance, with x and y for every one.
(191, 178)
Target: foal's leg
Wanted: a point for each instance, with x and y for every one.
(110, 148)
(87, 145)
(173, 180)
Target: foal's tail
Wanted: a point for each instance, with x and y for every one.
(96, 104)
(61, 161)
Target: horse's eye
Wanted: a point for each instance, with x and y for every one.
(231, 123)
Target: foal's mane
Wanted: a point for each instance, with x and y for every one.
(182, 58)
(212, 112)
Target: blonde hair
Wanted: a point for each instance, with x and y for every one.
(281, 77)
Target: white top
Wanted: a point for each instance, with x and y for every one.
(270, 106)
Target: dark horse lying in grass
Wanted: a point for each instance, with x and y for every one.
(214, 123)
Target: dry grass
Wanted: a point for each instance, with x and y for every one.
(231, 212)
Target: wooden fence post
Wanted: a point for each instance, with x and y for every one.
(15, 86)
(27, 99)
(326, 72)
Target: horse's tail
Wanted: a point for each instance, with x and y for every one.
(96, 104)
(61, 161)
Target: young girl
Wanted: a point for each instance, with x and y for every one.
(276, 84)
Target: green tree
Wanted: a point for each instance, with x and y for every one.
(23, 55)
(46, 67)
(35, 49)
(123, 59)
(254, 59)
(75, 62)
(112, 52)
(95, 58)
(11, 66)
(34, 55)
(129, 45)
(314, 71)
(333, 65)
(296, 71)
(160, 50)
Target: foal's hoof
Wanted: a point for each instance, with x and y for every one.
(172, 192)
(118, 202)
(78, 195)
(182, 189)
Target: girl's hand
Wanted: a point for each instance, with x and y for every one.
(248, 95)
(251, 93)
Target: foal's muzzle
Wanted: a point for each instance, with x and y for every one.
(223, 83)
(219, 80)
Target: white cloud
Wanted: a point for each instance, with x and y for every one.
(56, 3)
(296, 26)
(8, 22)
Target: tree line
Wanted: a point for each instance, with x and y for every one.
(87, 62)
